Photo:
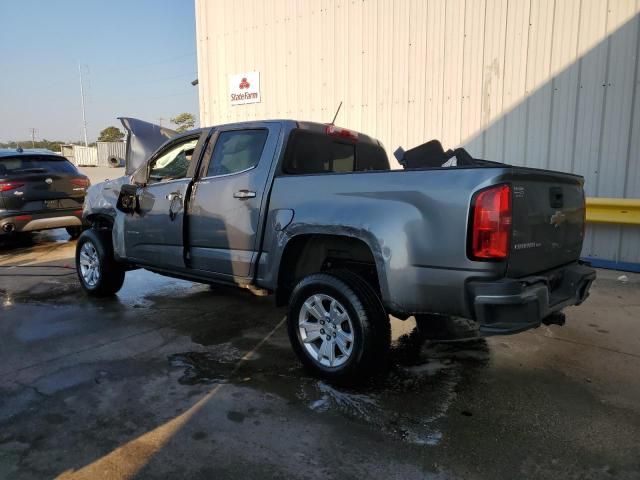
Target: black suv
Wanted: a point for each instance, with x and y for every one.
(39, 190)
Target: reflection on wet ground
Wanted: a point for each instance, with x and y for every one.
(18, 242)
(406, 401)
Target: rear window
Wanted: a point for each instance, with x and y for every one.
(310, 152)
(35, 164)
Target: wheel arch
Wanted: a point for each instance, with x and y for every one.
(313, 252)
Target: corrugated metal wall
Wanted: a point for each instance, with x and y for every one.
(542, 83)
(85, 156)
(107, 150)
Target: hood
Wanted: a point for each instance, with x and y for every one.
(143, 138)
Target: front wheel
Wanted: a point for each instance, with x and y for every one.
(338, 327)
(99, 273)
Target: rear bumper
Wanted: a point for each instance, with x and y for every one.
(28, 222)
(514, 305)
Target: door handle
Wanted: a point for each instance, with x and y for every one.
(244, 194)
(172, 195)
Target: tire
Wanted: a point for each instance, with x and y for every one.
(74, 232)
(367, 323)
(110, 274)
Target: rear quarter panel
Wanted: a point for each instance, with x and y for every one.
(414, 222)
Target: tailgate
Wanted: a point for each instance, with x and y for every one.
(548, 221)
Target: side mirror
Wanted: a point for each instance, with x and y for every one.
(128, 199)
(139, 177)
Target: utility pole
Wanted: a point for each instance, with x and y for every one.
(33, 137)
(160, 120)
(84, 118)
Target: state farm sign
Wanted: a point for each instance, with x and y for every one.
(244, 88)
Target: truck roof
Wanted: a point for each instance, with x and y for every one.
(316, 127)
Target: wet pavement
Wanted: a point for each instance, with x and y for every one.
(172, 379)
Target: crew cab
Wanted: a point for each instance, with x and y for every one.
(313, 214)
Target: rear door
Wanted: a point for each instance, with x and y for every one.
(228, 199)
(548, 221)
(154, 234)
(41, 182)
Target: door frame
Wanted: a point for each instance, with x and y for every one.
(276, 130)
(203, 137)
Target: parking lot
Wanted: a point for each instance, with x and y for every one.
(179, 380)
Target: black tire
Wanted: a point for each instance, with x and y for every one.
(371, 327)
(111, 273)
(74, 232)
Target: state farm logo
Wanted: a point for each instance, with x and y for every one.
(244, 88)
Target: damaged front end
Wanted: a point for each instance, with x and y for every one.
(103, 203)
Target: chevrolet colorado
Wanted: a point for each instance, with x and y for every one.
(314, 214)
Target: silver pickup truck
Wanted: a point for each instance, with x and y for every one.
(313, 214)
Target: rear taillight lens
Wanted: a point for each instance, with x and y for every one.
(491, 224)
(81, 182)
(5, 186)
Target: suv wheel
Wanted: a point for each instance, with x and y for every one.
(100, 275)
(74, 232)
(338, 326)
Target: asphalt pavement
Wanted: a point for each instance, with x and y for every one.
(172, 379)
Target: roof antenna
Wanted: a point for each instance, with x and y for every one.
(333, 122)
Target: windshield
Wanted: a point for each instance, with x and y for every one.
(35, 164)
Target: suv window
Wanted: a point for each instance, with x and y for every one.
(311, 152)
(35, 164)
(174, 162)
(236, 151)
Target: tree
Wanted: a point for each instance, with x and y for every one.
(110, 134)
(185, 121)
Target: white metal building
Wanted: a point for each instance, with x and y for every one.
(542, 83)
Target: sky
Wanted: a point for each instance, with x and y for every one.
(138, 58)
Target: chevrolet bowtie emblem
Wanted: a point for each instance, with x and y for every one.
(558, 219)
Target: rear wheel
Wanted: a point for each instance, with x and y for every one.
(99, 274)
(338, 326)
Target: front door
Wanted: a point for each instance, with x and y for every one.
(154, 234)
(225, 210)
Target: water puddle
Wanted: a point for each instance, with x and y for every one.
(406, 402)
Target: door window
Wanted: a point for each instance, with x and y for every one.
(173, 163)
(236, 151)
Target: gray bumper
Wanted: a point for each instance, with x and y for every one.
(513, 305)
(29, 222)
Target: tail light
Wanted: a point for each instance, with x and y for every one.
(81, 182)
(491, 223)
(5, 186)
(339, 132)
